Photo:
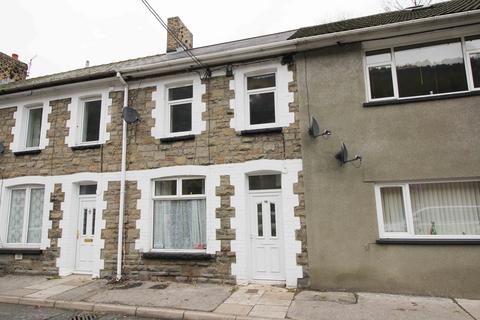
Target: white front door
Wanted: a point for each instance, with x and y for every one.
(85, 235)
(266, 235)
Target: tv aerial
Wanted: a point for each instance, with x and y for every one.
(130, 115)
(314, 130)
(342, 156)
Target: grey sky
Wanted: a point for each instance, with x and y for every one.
(63, 34)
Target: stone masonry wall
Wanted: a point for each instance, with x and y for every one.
(218, 144)
(44, 263)
(12, 69)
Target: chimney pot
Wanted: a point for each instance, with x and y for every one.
(181, 32)
(15, 56)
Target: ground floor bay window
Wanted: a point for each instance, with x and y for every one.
(179, 214)
(25, 215)
(429, 210)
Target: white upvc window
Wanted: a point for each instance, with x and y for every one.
(32, 126)
(179, 109)
(422, 70)
(179, 215)
(24, 216)
(429, 210)
(90, 120)
(178, 106)
(262, 96)
(261, 99)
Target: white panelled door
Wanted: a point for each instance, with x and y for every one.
(85, 235)
(266, 235)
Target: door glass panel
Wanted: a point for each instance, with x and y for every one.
(273, 220)
(259, 220)
(93, 222)
(268, 181)
(85, 213)
(88, 189)
(35, 216)
(17, 211)
(34, 127)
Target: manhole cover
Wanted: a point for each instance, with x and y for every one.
(252, 291)
(84, 317)
(159, 286)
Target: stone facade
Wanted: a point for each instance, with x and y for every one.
(218, 144)
(45, 261)
(11, 69)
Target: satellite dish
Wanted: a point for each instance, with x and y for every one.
(342, 155)
(314, 130)
(130, 115)
(2, 147)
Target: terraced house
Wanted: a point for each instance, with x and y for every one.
(219, 172)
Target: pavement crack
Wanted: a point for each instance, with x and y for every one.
(465, 310)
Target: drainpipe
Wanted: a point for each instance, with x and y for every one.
(121, 209)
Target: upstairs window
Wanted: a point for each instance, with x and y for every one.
(261, 99)
(33, 126)
(179, 214)
(180, 108)
(25, 215)
(423, 70)
(91, 110)
(429, 210)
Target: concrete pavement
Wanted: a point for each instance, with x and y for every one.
(171, 300)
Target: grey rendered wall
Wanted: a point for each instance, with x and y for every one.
(425, 140)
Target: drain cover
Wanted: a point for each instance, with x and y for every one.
(252, 291)
(84, 317)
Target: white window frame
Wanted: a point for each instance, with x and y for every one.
(392, 63)
(410, 234)
(19, 143)
(467, 54)
(161, 112)
(28, 190)
(81, 123)
(283, 97)
(170, 103)
(178, 196)
(248, 125)
(26, 125)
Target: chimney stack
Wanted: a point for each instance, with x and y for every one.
(12, 69)
(181, 31)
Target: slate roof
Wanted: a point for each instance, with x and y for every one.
(435, 10)
(106, 70)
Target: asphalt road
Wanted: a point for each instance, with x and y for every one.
(21, 312)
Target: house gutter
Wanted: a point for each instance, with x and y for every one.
(123, 173)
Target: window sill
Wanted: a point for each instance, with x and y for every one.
(260, 131)
(178, 255)
(421, 99)
(178, 138)
(87, 146)
(27, 152)
(20, 251)
(430, 241)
